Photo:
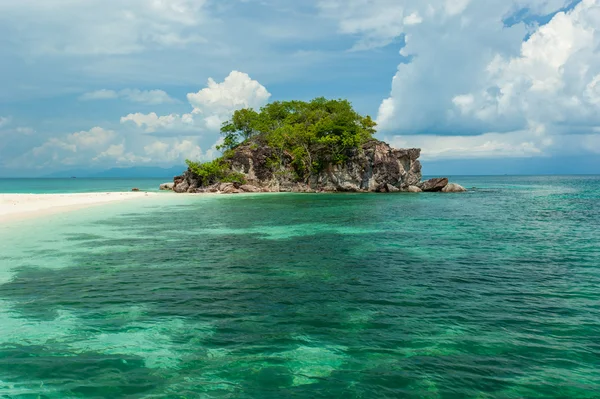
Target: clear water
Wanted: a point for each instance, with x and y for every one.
(41, 186)
(490, 294)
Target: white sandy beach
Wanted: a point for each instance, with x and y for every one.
(24, 206)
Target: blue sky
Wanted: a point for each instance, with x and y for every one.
(481, 87)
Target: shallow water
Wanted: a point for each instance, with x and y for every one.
(47, 186)
(490, 294)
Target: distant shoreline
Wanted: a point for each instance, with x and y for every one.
(15, 207)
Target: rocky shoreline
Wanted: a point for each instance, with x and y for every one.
(375, 167)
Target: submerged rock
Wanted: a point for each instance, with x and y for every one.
(454, 188)
(434, 185)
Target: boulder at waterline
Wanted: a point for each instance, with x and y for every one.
(453, 188)
(434, 185)
(250, 189)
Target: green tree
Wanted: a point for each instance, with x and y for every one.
(241, 127)
(314, 134)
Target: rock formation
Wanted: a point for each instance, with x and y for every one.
(375, 167)
(434, 185)
(454, 188)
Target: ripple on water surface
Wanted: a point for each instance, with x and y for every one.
(491, 294)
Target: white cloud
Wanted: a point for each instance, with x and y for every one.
(471, 86)
(413, 19)
(463, 102)
(152, 122)
(150, 97)
(79, 141)
(116, 154)
(99, 146)
(211, 106)
(489, 145)
(4, 121)
(455, 7)
(377, 22)
(553, 79)
(237, 91)
(72, 149)
(95, 27)
(177, 150)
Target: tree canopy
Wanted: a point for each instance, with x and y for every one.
(314, 133)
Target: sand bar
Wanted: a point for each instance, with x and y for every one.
(25, 206)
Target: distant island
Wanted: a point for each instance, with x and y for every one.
(296, 146)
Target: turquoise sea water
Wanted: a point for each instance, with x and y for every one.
(42, 186)
(490, 294)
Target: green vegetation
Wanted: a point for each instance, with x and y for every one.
(314, 134)
(216, 171)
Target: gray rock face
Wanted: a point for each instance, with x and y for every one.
(167, 187)
(182, 187)
(250, 189)
(454, 188)
(375, 167)
(392, 189)
(434, 185)
(231, 190)
(370, 168)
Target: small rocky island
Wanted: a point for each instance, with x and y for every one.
(317, 146)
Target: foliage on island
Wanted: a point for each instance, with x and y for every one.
(216, 171)
(313, 134)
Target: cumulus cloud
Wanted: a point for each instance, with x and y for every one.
(133, 145)
(150, 97)
(210, 106)
(237, 91)
(488, 145)
(152, 122)
(554, 78)
(116, 154)
(175, 151)
(378, 23)
(99, 147)
(71, 149)
(471, 86)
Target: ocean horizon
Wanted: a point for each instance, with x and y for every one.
(491, 293)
